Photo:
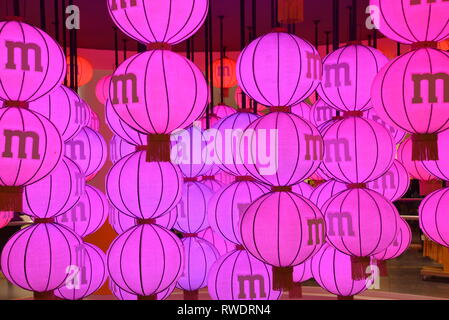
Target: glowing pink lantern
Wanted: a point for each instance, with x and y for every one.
(89, 276)
(32, 64)
(94, 122)
(102, 89)
(433, 216)
(400, 243)
(279, 69)
(303, 272)
(303, 189)
(65, 109)
(156, 92)
(88, 215)
(406, 95)
(88, 149)
(192, 209)
(415, 168)
(325, 191)
(397, 134)
(36, 258)
(150, 21)
(321, 112)
(440, 168)
(119, 148)
(5, 218)
(332, 270)
(123, 295)
(132, 192)
(229, 204)
(199, 256)
(410, 21)
(302, 109)
(141, 269)
(348, 74)
(212, 183)
(238, 98)
(213, 119)
(56, 193)
(358, 150)
(294, 145)
(239, 276)
(393, 184)
(221, 244)
(223, 111)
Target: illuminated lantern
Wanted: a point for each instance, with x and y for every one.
(130, 190)
(213, 119)
(228, 205)
(400, 243)
(192, 209)
(302, 109)
(88, 215)
(332, 270)
(94, 122)
(36, 258)
(88, 149)
(222, 111)
(212, 183)
(393, 184)
(295, 146)
(433, 216)
(5, 218)
(141, 269)
(229, 74)
(348, 75)
(325, 191)
(279, 69)
(85, 71)
(221, 244)
(199, 256)
(89, 273)
(411, 21)
(282, 229)
(32, 63)
(102, 89)
(360, 223)
(303, 189)
(123, 295)
(56, 193)
(301, 273)
(397, 134)
(440, 168)
(358, 150)
(65, 109)
(239, 276)
(150, 21)
(119, 148)
(321, 112)
(406, 95)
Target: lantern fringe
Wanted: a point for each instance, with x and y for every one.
(359, 266)
(295, 291)
(11, 198)
(383, 270)
(345, 297)
(152, 297)
(191, 295)
(46, 295)
(282, 278)
(159, 148)
(425, 147)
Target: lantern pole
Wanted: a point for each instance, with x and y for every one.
(350, 31)
(336, 24)
(16, 6)
(192, 48)
(221, 61)
(375, 38)
(242, 42)
(188, 49)
(56, 6)
(43, 16)
(354, 20)
(116, 46)
(125, 49)
(316, 23)
(252, 37)
(64, 34)
(72, 57)
(75, 51)
(206, 62)
(328, 41)
(211, 60)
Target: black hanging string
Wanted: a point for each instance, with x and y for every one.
(252, 37)
(370, 40)
(206, 62)
(354, 21)
(16, 6)
(192, 48)
(125, 49)
(56, 23)
(221, 61)
(64, 33)
(242, 42)
(75, 52)
(317, 44)
(375, 38)
(116, 50)
(335, 24)
(72, 56)
(43, 17)
(328, 41)
(349, 23)
(188, 50)
(211, 61)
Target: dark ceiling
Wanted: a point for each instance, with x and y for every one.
(97, 27)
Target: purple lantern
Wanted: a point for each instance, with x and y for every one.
(212, 183)
(321, 113)
(301, 273)
(415, 168)
(433, 216)
(223, 111)
(124, 295)
(221, 244)
(303, 189)
(397, 134)
(440, 168)
(302, 110)
(325, 191)
(119, 148)
(393, 184)
(400, 243)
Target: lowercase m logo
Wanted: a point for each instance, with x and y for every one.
(251, 280)
(23, 137)
(25, 49)
(124, 79)
(432, 87)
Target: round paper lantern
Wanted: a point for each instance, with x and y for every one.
(141, 269)
(357, 150)
(302, 109)
(144, 189)
(88, 215)
(36, 258)
(65, 109)
(199, 256)
(397, 134)
(192, 209)
(102, 89)
(303, 272)
(332, 270)
(348, 74)
(88, 274)
(32, 63)
(282, 229)
(321, 112)
(213, 119)
(156, 92)
(88, 149)
(238, 98)
(409, 22)
(229, 204)
(56, 193)
(94, 122)
(150, 21)
(325, 191)
(279, 69)
(440, 168)
(399, 245)
(212, 183)
(239, 276)
(123, 295)
(415, 168)
(222, 245)
(229, 74)
(433, 214)
(303, 189)
(222, 111)
(393, 184)
(85, 70)
(294, 145)
(406, 94)
(119, 148)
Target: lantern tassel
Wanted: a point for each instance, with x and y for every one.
(47, 295)
(158, 149)
(295, 291)
(282, 278)
(359, 266)
(424, 147)
(191, 295)
(11, 198)
(152, 297)
(345, 297)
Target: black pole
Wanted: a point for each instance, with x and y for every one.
(56, 7)
(75, 51)
(354, 20)
(221, 61)
(72, 56)
(328, 41)
(16, 6)
(350, 24)
(242, 41)
(206, 63)
(116, 46)
(125, 49)
(370, 40)
(211, 61)
(375, 38)
(64, 34)
(254, 19)
(43, 17)
(336, 24)
(316, 23)
(188, 49)
(192, 47)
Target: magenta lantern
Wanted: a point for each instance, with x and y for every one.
(302, 109)
(65, 109)
(213, 119)
(411, 21)
(321, 112)
(143, 269)
(415, 168)
(222, 111)
(199, 256)
(221, 244)
(400, 243)
(123, 295)
(119, 148)
(192, 209)
(156, 92)
(102, 89)
(393, 184)
(94, 120)
(36, 258)
(325, 191)
(357, 150)
(440, 168)
(151, 21)
(229, 204)
(212, 183)
(144, 189)
(32, 64)
(279, 69)
(303, 189)
(406, 94)
(88, 149)
(303, 272)
(88, 215)
(56, 193)
(397, 134)
(348, 74)
(282, 149)
(239, 276)
(238, 98)
(433, 216)
(86, 275)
